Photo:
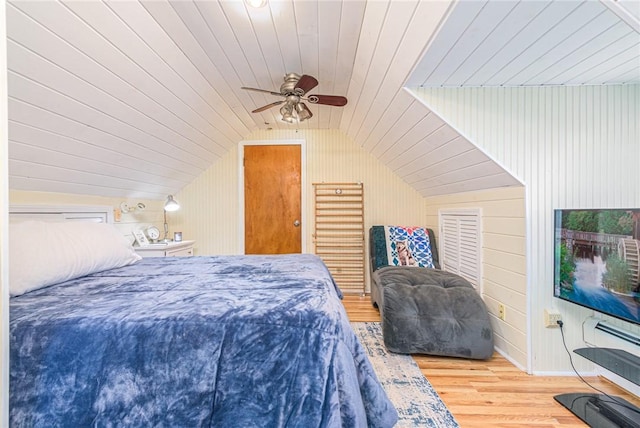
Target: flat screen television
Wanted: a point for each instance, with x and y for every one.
(596, 260)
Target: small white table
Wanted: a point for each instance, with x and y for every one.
(169, 249)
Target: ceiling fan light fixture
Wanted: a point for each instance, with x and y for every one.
(286, 109)
(303, 112)
(289, 118)
(256, 3)
(287, 113)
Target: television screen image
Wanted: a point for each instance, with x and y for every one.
(596, 260)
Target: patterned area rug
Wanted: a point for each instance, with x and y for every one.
(416, 401)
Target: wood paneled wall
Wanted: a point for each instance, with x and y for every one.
(503, 261)
(573, 147)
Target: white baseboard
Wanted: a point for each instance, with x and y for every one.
(569, 374)
(543, 373)
(508, 358)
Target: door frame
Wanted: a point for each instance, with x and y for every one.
(303, 190)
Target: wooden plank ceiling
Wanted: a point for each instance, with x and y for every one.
(137, 98)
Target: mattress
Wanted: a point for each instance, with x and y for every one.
(225, 341)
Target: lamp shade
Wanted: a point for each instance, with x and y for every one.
(287, 112)
(171, 204)
(303, 112)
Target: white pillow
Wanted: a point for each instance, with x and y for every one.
(44, 253)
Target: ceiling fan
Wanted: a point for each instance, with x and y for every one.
(294, 90)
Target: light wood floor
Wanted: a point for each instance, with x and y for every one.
(494, 393)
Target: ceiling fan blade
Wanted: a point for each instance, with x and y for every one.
(262, 90)
(330, 100)
(306, 83)
(268, 106)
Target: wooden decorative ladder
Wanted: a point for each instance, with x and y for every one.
(339, 232)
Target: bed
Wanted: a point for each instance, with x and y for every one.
(251, 341)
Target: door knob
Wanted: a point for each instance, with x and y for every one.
(296, 223)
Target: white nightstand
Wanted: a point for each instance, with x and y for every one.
(170, 249)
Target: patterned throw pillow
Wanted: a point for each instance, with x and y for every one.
(408, 246)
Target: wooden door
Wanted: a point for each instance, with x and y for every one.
(272, 199)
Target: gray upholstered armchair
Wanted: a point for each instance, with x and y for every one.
(425, 310)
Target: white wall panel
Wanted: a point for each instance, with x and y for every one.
(573, 147)
(503, 260)
(209, 208)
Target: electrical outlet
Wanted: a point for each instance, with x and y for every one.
(501, 311)
(551, 318)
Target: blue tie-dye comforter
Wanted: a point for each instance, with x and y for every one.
(232, 341)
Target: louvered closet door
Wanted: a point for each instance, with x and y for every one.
(460, 246)
(339, 232)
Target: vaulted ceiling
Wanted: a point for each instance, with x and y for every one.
(137, 98)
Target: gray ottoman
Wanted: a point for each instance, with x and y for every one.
(429, 311)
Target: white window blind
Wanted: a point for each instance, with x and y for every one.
(460, 246)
